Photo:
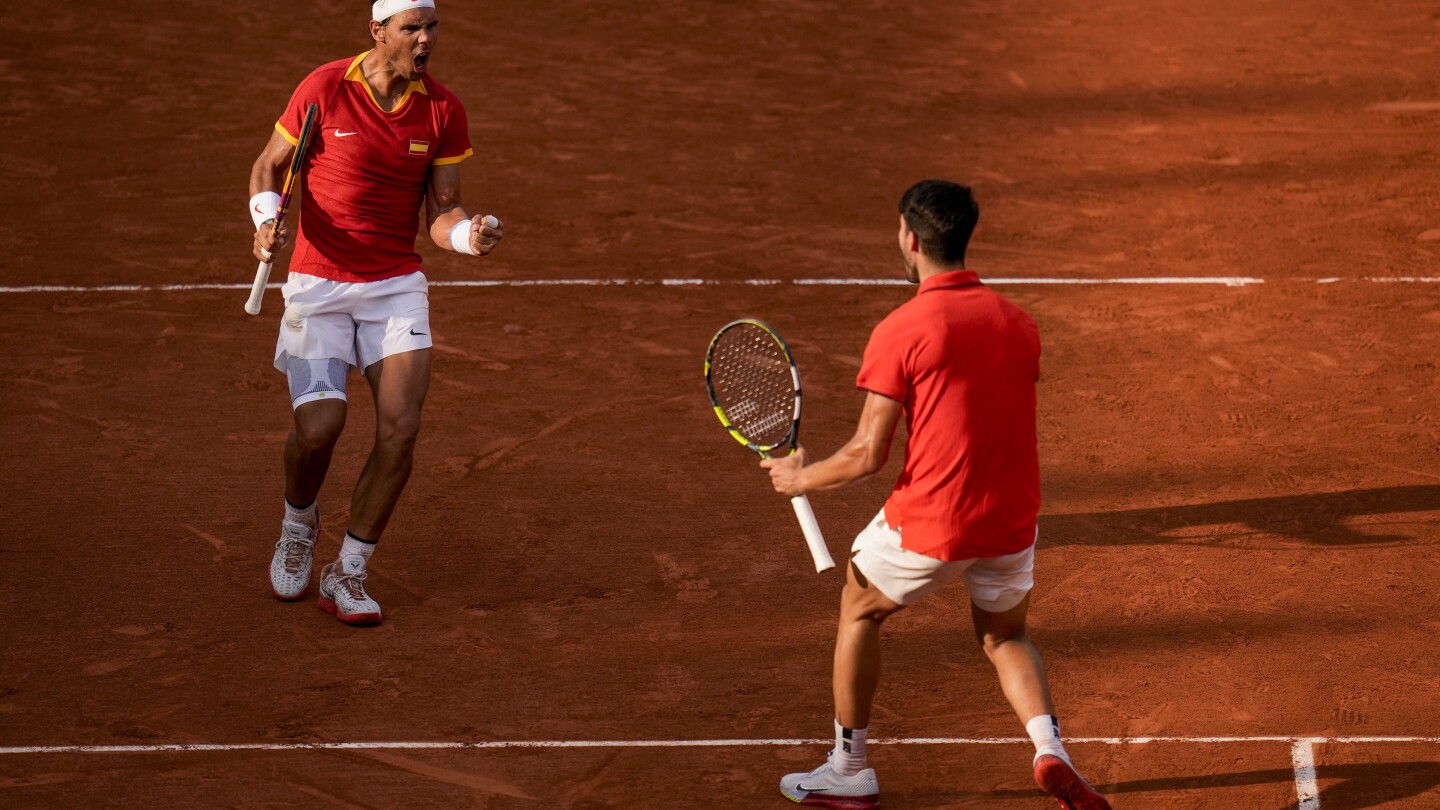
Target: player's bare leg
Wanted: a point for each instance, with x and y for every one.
(1023, 679)
(307, 458)
(863, 608)
(308, 450)
(399, 383)
(1017, 662)
(844, 781)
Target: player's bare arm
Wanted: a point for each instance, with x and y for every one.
(450, 226)
(268, 175)
(864, 455)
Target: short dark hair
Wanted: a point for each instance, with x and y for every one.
(943, 215)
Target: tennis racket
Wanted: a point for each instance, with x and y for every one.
(262, 273)
(755, 388)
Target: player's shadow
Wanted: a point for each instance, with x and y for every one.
(1320, 518)
(1344, 787)
(1352, 786)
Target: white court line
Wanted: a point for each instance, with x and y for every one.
(1302, 754)
(752, 743)
(1226, 281)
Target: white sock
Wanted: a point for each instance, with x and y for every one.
(848, 758)
(357, 547)
(1044, 731)
(308, 516)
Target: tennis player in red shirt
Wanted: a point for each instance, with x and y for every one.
(960, 363)
(388, 139)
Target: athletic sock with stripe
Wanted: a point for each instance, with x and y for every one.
(358, 547)
(1044, 731)
(848, 758)
(307, 516)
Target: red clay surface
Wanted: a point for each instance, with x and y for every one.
(1242, 502)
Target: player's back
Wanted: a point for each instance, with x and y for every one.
(970, 359)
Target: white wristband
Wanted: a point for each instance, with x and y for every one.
(460, 237)
(263, 206)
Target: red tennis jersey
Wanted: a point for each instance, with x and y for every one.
(367, 170)
(964, 362)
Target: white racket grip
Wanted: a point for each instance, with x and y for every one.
(813, 538)
(257, 292)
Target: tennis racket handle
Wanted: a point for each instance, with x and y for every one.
(257, 292)
(813, 538)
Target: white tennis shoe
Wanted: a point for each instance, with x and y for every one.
(823, 787)
(294, 557)
(342, 592)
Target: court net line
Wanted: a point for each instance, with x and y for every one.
(1224, 281)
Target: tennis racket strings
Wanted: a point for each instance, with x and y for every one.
(754, 384)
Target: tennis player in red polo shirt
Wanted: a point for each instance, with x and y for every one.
(388, 141)
(960, 362)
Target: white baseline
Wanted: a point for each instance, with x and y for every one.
(774, 742)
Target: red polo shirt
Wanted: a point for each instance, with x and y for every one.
(367, 170)
(964, 362)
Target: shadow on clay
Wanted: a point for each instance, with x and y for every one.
(1343, 787)
(1321, 519)
(1355, 786)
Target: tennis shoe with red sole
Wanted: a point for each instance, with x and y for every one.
(293, 560)
(823, 787)
(1058, 778)
(342, 592)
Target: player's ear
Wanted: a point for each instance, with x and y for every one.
(377, 31)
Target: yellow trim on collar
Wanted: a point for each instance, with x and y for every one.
(355, 74)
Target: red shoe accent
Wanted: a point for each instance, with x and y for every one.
(356, 620)
(296, 598)
(1055, 776)
(871, 802)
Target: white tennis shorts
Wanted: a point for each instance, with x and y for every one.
(996, 584)
(332, 326)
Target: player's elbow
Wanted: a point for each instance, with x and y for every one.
(874, 461)
(867, 458)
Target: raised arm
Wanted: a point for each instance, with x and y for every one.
(450, 226)
(864, 455)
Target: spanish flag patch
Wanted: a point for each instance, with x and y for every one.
(419, 147)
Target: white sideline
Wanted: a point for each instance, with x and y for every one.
(1302, 754)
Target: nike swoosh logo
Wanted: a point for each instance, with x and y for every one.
(417, 334)
(811, 790)
(258, 211)
(340, 134)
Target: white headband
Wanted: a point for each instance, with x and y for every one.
(385, 9)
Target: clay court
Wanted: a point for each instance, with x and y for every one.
(587, 580)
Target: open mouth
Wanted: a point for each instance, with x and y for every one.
(421, 60)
